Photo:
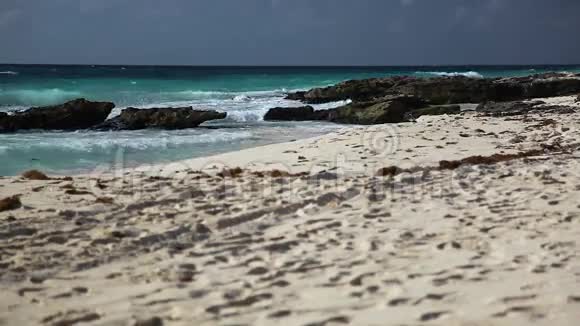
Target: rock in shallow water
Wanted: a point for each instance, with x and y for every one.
(73, 115)
(162, 118)
(302, 113)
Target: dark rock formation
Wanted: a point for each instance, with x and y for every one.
(162, 118)
(447, 90)
(390, 109)
(519, 108)
(73, 115)
(468, 90)
(356, 90)
(296, 96)
(384, 110)
(302, 113)
(534, 86)
(578, 99)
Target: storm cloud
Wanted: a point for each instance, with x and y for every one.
(290, 32)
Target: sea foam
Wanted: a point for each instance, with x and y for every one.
(95, 142)
(470, 74)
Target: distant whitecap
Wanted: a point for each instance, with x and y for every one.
(469, 74)
(242, 98)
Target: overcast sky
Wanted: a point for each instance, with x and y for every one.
(290, 32)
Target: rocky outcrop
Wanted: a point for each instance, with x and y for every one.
(578, 99)
(399, 99)
(519, 108)
(467, 90)
(162, 118)
(546, 85)
(384, 110)
(73, 115)
(391, 109)
(302, 113)
(447, 90)
(356, 90)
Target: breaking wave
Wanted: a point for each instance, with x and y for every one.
(94, 142)
(469, 74)
(8, 73)
(257, 113)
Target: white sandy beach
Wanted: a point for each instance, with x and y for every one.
(330, 244)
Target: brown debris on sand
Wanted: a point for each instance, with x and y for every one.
(237, 172)
(492, 159)
(76, 192)
(278, 174)
(105, 200)
(10, 203)
(389, 171)
(471, 160)
(232, 173)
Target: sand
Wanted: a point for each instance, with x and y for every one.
(331, 244)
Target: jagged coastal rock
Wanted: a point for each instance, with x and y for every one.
(356, 90)
(401, 99)
(385, 110)
(162, 118)
(447, 90)
(82, 114)
(374, 101)
(302, 113)
(390, 109)
(72, 115)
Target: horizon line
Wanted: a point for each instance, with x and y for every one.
(292, 66)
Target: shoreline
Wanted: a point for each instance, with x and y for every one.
(364, 102)
(281, 155)
(241, 138)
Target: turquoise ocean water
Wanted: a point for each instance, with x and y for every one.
(245, 93)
